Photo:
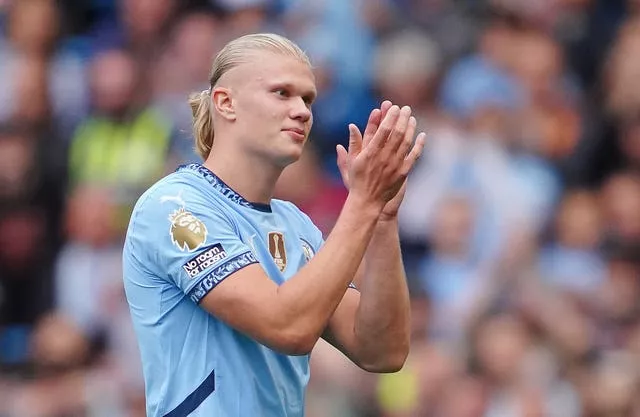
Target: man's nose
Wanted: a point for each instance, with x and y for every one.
(301, 111)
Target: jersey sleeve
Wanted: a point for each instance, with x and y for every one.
(193, 243)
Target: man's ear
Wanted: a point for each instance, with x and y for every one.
(223, 102)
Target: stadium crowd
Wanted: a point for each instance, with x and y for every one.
(520, 228)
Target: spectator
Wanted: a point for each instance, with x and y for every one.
(183, 66)
(573, 262)
(44, 79)
(122, 144)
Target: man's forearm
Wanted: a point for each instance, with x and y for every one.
(309, 299)
(382, 323)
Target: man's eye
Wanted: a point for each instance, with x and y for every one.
(282, 92)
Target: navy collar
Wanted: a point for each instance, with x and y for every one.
(222, 187)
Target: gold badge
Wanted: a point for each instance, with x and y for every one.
(188, 233)
(277, 250)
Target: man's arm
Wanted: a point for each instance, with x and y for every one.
(291, 317)
(372, 327)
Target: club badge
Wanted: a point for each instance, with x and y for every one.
(307, 250)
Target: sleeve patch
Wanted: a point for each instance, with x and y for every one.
(204, 260)
(187, 231)
(213, 278)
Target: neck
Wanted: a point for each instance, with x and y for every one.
(248, 175)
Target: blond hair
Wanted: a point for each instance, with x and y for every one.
(233, 54)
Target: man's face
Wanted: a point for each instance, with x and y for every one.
(272, 96)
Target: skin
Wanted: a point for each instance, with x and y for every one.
(377, 333)
(272, 94)
(266, 98)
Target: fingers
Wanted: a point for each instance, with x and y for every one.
(414, 154)
(355, 140)
(342, 161)
(372, 126)
(407, 141)
(387, 125)
(384, 107)
(397, 136)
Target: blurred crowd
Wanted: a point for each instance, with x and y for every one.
(520, 228)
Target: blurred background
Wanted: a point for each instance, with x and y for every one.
(520, 228)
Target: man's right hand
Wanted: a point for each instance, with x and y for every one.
(379, 169)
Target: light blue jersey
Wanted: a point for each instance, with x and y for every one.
(187, 233)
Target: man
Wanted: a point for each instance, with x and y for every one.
(230, 289)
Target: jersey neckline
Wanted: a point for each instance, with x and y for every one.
(222, 187)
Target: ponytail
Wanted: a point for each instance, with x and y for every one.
(202, 122)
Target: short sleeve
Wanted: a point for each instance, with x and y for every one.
(190, 242)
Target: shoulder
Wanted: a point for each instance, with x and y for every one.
(291, 211)
(170, 188)
(177, 216)
(180, 187)
(178, 196)
(301, 222)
